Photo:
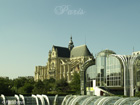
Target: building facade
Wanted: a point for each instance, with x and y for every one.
(117, 74)
(63, 62)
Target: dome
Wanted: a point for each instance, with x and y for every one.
(105, 52)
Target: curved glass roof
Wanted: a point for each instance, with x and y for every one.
(70, 100)
(101, 100)
(105, 52)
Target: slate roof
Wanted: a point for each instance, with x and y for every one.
(62, 51)
(80, 51)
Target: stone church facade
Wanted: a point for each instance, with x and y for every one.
(63, 62)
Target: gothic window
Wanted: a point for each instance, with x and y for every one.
(52, 65)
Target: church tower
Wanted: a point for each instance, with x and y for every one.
(71, 45)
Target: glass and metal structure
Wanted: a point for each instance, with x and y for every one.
(31, 100)
(94, 100)
(102, 70)
(68, 100)
(108, 70)
(136, 74)
(116, 72)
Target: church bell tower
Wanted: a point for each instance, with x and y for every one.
(71, 45)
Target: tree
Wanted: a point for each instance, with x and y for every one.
(75, 83)
(51, 80)
(26, 89)
(62, 86)
(18, 83)
(23, 85)
(49, 84)
(5, 86)
(39, 88)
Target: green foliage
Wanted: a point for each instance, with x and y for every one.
(26, 89)
(39, 88)
(51, 80)
(75, 83)
(19, 82)
(23, 85)
(5, 86)
(137, 94)
(62, 86)
(49, 86)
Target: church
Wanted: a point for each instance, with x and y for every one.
(63, 62)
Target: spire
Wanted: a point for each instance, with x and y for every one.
(71, 45)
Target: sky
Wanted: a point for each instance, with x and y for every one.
(29, 29)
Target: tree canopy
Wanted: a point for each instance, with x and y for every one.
(27, 86)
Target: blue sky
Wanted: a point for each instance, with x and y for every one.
(29, 28)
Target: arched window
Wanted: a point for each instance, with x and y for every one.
(52, 64)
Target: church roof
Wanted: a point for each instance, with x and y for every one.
(80, 51)
(62, 51)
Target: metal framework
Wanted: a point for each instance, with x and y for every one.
(74, 100)
(83, 70)
(128, 64)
